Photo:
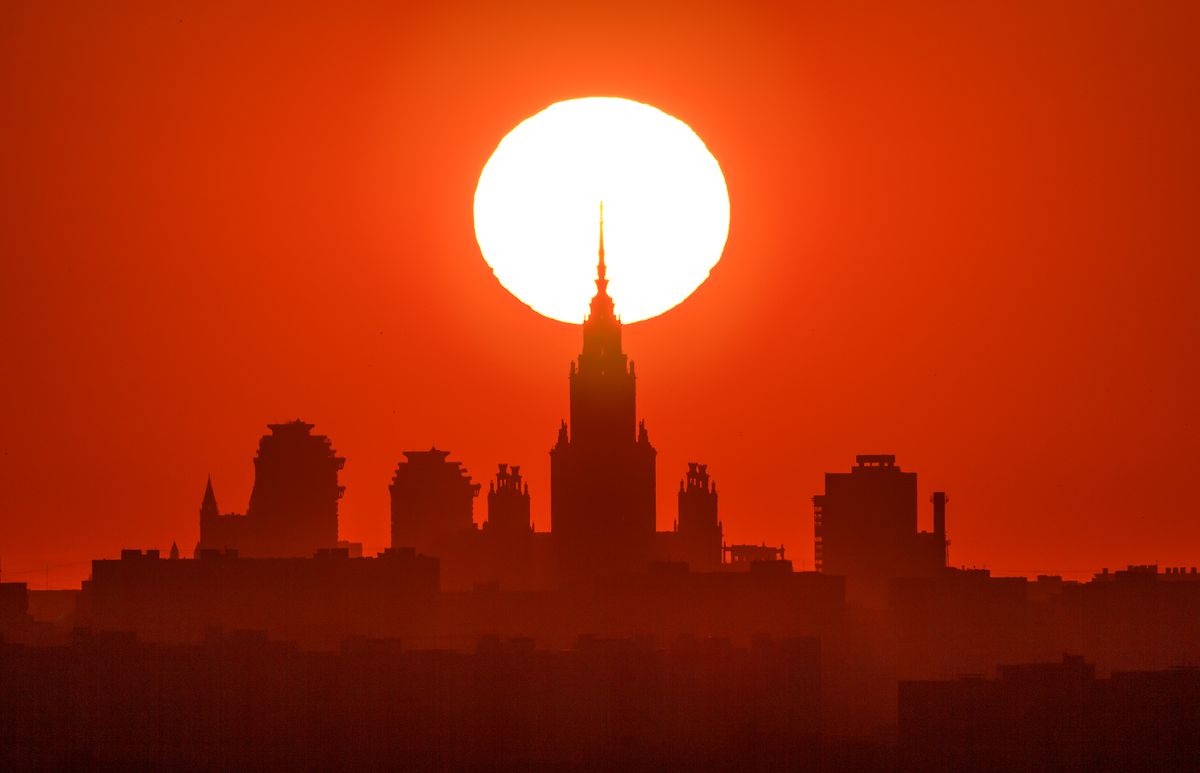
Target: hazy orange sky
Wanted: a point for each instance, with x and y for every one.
(962, 233)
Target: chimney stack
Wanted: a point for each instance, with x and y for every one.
(939, 523)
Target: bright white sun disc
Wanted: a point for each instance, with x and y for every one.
(666, 208)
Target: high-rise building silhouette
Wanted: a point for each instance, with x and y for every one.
(293, 508)
(866, 528)
(296, 491)
(700, 536)
(432, 503)
(602, 507)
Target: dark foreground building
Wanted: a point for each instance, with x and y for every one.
(318, 600)
(1053, 716)
(243, 702)
(14, 601)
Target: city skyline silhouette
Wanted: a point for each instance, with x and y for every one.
(295, 479)
(993, 199)
(599, 642)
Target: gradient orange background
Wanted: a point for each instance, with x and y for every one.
(966, 235)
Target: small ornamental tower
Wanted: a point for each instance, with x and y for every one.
(208, 506)
(218, 532)
(700, 532)
(508, 504)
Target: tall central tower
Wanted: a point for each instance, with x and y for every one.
(602, 467)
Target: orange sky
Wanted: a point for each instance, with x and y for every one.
(968, 237)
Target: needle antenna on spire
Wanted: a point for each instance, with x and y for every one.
(601, 267)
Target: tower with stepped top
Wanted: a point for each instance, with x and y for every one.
(602, 498)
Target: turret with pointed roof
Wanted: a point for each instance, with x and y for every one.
(208, 506)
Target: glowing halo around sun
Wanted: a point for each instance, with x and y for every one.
(666, 208)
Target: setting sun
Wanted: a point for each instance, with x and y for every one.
(666, 208)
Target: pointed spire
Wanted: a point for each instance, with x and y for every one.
(601, 267)
(208, 507)
(602, 305)
(174, 551)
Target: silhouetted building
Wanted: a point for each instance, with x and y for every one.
(866, 528)
(432, 511)
(965, 621)
(241, 701)
(353, 549)
(318, 600)
(1133, 618)
(432, 502)
(939, 500)
(745, 555)
(14, 601)
(698, 529)
(510, 553)
(294, 502)
(293, 507)
(602, 506)
(1053, 716)
(508, 504)
(221, 532)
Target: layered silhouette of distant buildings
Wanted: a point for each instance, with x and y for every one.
(602, 500)
(320, 601)
(600, 643)
(602, 493)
